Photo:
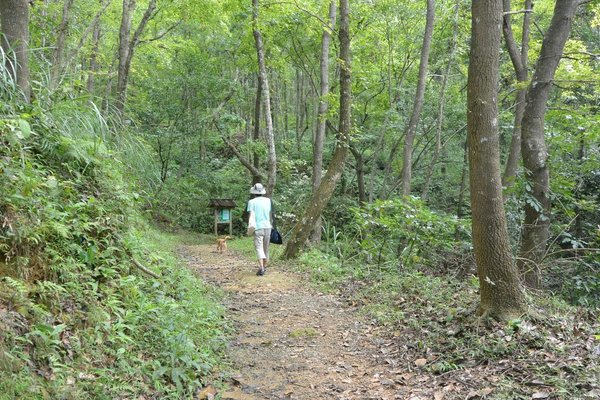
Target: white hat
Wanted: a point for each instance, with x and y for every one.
(258, 189)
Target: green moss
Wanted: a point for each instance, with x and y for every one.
(303, 332)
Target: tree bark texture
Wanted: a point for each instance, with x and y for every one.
(501, 293)
(124, 34)
(533, 147)
(256, 130)
(419, 99)
(323, 106)
(321, 197)
(14, 19)
(262, 73)
(519, 61)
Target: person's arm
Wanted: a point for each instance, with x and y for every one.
(248, 209)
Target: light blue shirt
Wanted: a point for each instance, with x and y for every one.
(262, 211)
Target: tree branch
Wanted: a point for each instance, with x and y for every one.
(253, 170)
(138, 32)
(94, 22)
(160, 36)
(517, 12)
(144, 269)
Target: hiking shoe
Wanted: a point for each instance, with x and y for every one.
(260, 272)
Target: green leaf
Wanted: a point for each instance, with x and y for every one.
(24, 129)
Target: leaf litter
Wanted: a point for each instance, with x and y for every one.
(293, 342)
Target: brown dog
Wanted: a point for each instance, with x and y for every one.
(222, 244)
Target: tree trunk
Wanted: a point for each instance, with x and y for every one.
(419, 99)
(323, 107)
(578, 196)
(463, 184)
(262, 73)
(440, 118)
(124, 33)
(519, 60)
(127, 46)
(501, 293)
(335, 169)
(94, 59)
(256, 131)
(14, 19)
(95, 29)
(533, 147)
(360, 174)
(379, 148)
(59, 49)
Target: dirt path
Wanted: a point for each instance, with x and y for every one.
(293, 342)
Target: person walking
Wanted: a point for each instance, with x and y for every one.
(261, 207)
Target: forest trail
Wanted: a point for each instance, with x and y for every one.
(292, 342)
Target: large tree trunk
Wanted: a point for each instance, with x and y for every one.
(419, 99)
(14, 18)
(59, 49)
(323, 107)
(519, 60)
(533, 147)
(262, 73)
(335, 169)
(440, 117)
(501, 293)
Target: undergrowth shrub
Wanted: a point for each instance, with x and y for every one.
(405, 232)
(325, 269)
(77, 319)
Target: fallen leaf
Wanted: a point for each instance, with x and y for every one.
(420, 362)
(449, 388)
(472, 394)
(540, 395)
(438, 395)
(407, 376)
(208, 393)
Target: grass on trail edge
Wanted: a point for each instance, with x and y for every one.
(133, 334)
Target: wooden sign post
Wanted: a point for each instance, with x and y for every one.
(223, 214)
